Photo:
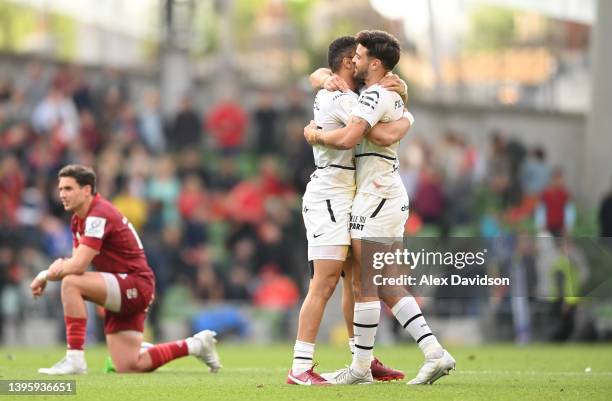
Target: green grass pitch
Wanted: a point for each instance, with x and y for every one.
(491, 373)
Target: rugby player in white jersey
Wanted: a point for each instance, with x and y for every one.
(379, 212)
(326, 210)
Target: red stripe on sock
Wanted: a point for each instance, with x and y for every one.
(161, 354)
(76, 330)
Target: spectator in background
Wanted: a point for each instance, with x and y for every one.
(164, 189)
(88, 131)
(151, 123)
(297, 152)
(12, 183)
(79, 87)
(195, 206)
(605, 215)
(6, 90)
(227, 122)
(556, 212)
(275, 291)
(498, 166)
(56, 116)
(208, 283)
(516, 154)
(131, 205)
(18, 110)
(190, 163)
(266, 118)
(238, 282)
(34, 84)
(186, 131)
(111, 110)
(429, 200)
(534, 173)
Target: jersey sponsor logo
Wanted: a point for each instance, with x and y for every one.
(94, 227)
(368, 101)
(404, 208)
(357, 223)
(131, 293)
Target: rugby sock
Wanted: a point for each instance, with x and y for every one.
(351, 343)
(161, 354)
(76, 329)
(302, 357)
(408, 314)
(365, 322)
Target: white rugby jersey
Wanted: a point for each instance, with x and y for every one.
(335, 173)
(377, 166)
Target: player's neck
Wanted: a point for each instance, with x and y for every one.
(84, 208)
(374, 78)
(349, 79)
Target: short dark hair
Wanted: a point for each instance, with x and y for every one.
(82, 174)
(381, 45)
(340, 48)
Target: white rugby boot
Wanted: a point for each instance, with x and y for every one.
(348, 376)
(208, 351)
(69, 365)
(434, 368)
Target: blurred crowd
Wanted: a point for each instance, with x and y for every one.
(215, 194)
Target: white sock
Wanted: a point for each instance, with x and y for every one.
(75, 354)
(367, 316)
(351, 343)
(193, 346)
(408, 314)
(302, 357)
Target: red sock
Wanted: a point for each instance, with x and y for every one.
(76, 329)
(161, 354)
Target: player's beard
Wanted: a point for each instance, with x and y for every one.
(360, 76)
(359, 82)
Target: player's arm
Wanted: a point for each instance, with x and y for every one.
(76, 264)
(394, 83)
(341, 138)
(323, 78)
(386, 134)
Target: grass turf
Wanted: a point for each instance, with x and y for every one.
(491, 373)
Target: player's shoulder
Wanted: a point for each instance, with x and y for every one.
(377, 92)
(102, 207)
(335, 96)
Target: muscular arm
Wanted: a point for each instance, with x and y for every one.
(395, 84)
(386, 134)
(341, 138)
(76, 264)
(323, 78)
(318, 77)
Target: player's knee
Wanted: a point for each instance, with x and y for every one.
(131, 366)
(325, 287)
(70, 283)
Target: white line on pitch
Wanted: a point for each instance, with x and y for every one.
(531, 373)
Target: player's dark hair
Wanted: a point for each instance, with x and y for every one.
(82, 174)
(381, 45)
(340, 48)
